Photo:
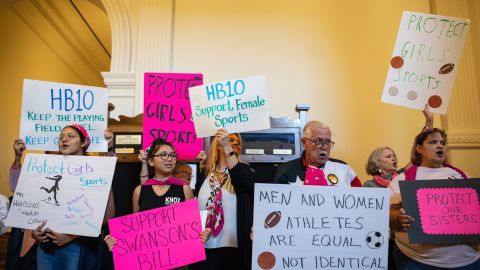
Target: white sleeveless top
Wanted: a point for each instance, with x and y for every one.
(228, 236)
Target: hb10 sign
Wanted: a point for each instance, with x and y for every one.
(47, 107)
(236, 105)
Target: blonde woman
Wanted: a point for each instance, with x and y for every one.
(226, 192)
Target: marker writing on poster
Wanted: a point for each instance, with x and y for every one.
(68, 99)
(442, 28)
(167, 103)
(151, 237)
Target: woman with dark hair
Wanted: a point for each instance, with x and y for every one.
(151, 194)
(429, 159)
(226, 192)
(163, 189)
(67, 251)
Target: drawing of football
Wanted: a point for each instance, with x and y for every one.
(374, 239)
(447, 68)
(272, 219)
(266, 260)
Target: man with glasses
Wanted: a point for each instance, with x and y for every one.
(317, 142)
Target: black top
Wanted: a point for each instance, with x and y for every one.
(242, 177)
(288, 172)
(149, 200)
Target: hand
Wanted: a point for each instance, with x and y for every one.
(60, 239)
(205, 235)
(40, 234)
(142, 156)
(251, 232)
(18, 147)
(202, 156)
(108, 134)
(111, 241)
(428, 116)
(222, 136)
(404, 219)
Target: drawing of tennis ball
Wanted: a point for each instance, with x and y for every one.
(272, 219)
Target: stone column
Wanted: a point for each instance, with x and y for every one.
(141, 42)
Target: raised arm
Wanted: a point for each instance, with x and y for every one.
(144, 171)
(18, 148)
(428, 117)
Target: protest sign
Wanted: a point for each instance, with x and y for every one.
(425, 61)
(69, 192)
(236, 105)
(47, 107)
(445, 211)
(315, 227)
(161, 238)
(167, 112)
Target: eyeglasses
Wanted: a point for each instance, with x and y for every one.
(165, 155)
(320, 144)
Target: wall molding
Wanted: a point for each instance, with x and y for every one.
(469, 139)
(61, 28)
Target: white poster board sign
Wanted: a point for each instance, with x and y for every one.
(313, 227)
(69, 192)
(425, 61)
(47, 107)
(236, 105)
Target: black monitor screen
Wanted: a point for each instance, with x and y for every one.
(268, 143)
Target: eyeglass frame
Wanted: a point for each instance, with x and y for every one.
(320, 144)
(165, 155)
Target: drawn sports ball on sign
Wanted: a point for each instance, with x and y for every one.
(266, 260)
(374, 240)
(272, 219)
(447, 68)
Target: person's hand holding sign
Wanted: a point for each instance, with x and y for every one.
(108, 134)
(18, 148)
(40, 234)
(60, 239)
(404, 219)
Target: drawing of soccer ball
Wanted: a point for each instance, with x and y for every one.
(374, 239)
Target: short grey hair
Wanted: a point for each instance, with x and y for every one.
(306, 133)
(373, 164)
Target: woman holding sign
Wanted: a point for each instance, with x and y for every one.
(429, 162)
(67, 251)
(163, 189)
(227, 194)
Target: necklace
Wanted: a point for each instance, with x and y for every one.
(224, 171)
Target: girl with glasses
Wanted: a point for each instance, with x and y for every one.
(163, 189)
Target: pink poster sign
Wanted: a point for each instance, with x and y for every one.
(162, 238)
(449, 210)
(167, 113)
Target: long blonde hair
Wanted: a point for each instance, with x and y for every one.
(214, 152)
(213, 158)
